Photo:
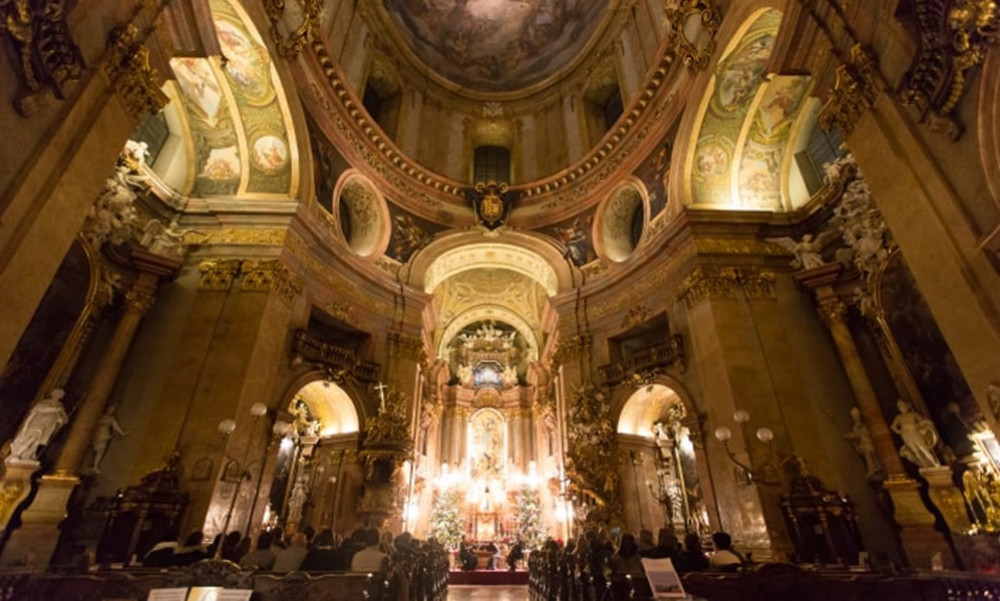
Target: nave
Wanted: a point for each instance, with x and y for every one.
(494, 593)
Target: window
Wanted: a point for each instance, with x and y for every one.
(492, 163)
(823, 147)
(613, 108)
(154, 132)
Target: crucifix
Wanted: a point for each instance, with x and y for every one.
(380, 387)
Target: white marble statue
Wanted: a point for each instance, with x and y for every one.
(107, 427)
(508, 378)
(465, 375)
(807, 251)
(38, 428)
(296, 502)
(164, 240)
(863, 444)
(918, 434)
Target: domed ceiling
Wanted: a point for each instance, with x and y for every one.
(496, 45)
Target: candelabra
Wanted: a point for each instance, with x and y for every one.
(226, 428)
(756, 472)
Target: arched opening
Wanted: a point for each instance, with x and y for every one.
(663, 479)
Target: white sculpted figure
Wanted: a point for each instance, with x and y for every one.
(465, 375)
(807, 251)
(863, 444)
(164, 240)
(508, 378)
(38, 428)
(918, 434)
(107, 427)
(296, 502)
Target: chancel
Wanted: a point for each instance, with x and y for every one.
(459, 292)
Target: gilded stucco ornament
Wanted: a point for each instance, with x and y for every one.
(854, 92)
(954, 36)
(49, 60)
(591, 462)
(691, 28)
(135, 81)
(289, 47)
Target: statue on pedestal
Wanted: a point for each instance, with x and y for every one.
(918, 434)
(863, 444)
(107, 427)
(38, 428)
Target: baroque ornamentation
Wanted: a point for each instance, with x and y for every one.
(217, 274)
(854, 92)
(290, 47)
(271, 274)
(49, 59)
(694, 53)
(643, 367)
(406, 347)
(138, 301)
(490, 204)
(113, 217)
(708, 282)
(341, 364)
(591, 463)
(391, 424)
(572, 347)
(240, 236)
(135, 81)
(954, 36)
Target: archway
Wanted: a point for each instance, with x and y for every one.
(663, 485)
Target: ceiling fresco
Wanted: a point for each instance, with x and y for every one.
(496, 45)
(235, 113)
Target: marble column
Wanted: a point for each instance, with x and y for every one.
(35, 542)
(920, 540)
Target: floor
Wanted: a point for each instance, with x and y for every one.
(457, 592)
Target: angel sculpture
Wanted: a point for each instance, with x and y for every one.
(164, 240)
(808, 251)
(918, 434)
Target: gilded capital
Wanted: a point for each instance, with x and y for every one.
(708, 283)
(832, 312)
(218, 274)
(138, 301)
(128, 69)
(854, 92)
(270, 274)
(572, 348)
(757, 284)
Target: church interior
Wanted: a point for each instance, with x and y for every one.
(498, 270)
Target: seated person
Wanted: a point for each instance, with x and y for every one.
(191, 551)
(666, 545)
(371, 558)
(516, 554)
(725, 557)
(261, 558)
(692, 558)
(323, 556)
(626, 562)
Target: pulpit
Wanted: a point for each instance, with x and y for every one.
(821, 523)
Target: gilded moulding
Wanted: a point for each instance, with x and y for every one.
(218, 274)
(713, 283)
(695, 54)
(854, 92)
(290, 47)
(322, 272)
(237, 236)
(406, 347)
(954, 37)
(271, 274)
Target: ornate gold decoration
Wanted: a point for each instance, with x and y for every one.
(239, 236)
(49, 59)
(854, 92)
(708, 282)
(135, 81)
(320, 271)
(138, 301)
(736, 246)
(11, 494)
(390, 424)
(954, 36)
(305, 33)
(832, 311)
(342, 311)
(591, 463)
(757, 284)
(635, 316)
(489, 204)
(695, 54)
(218, 274)
(270, 274)
(572, 347)
(406, 347)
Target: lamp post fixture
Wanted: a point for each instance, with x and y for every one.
(764, 434)
(226, 428)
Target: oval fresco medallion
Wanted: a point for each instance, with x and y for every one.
(270, 153)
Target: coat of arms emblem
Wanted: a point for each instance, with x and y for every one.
(490, 205)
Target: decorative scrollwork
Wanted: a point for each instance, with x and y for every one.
(49, 58)
(854, 92)
(135, 81)
(678, 14)
(290, 47)
(954, 36)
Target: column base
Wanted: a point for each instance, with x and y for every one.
(15, 486)
(33, 544)
(921, 541)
